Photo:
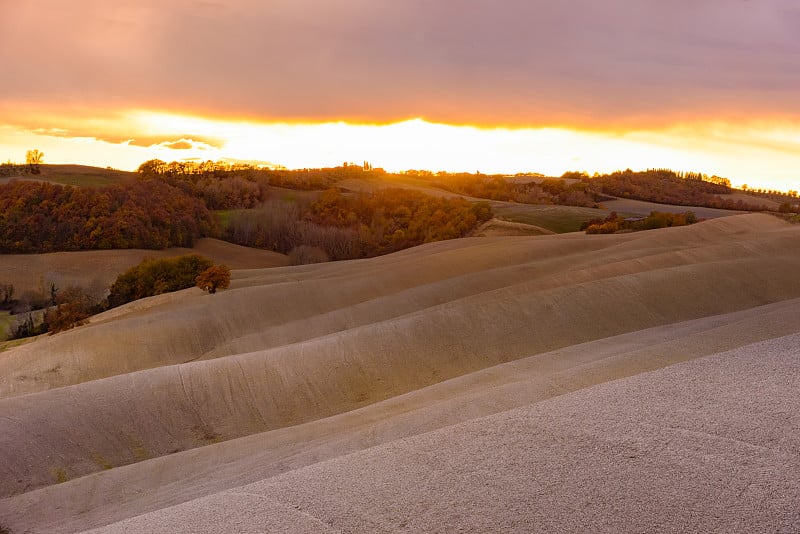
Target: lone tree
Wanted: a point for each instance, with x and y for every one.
(213, 278)
(34, 158)
(73, 308)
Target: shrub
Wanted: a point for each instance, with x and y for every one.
(154, 277)
(213, 278)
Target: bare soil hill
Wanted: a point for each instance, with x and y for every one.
(675, 450)
(184, 396)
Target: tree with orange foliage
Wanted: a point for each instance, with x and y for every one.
(34, 158)
(73, 308)
(213, 278)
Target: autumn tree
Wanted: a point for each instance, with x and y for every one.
(34, 158)
(7, 292)
(213, 278)
(73, 308)
(156, 276)
(45, 217)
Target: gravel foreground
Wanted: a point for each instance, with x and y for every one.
(710, 445)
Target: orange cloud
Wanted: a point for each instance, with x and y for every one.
(179, 145)
(588, 64)
(710, 84)
(184, 144)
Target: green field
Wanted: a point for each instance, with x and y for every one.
(6, 320)
(82, 175)
(558, 219)
(223, 217)
(82, 180)
(5, 345)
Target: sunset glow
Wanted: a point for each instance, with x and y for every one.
(502, 87)
(762, 156)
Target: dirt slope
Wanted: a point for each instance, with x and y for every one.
(149, 485)
(706, 446)
(295, 365)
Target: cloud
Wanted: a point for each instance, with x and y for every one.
(515, 62)
(114, 127)
(186, 142)
(182, 144)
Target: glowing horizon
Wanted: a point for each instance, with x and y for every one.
(760, 155)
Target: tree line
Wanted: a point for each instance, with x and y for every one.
(225, 186)
(44, 217)
(497, 187)
(657, 219)
(665, 186)
(346, 226)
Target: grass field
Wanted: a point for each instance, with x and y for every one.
(77, 175)
(83, 176)
(641, 208)
(5, 325)
(292, 195)
(10, 344)
(558, 219)
(223, 217)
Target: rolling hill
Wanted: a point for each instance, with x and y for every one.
(624, 382)
(78, 175)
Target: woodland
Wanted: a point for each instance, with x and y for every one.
(174, 204)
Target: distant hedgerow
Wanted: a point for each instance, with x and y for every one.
(614, 223)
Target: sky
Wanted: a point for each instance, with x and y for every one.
(461, 85)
